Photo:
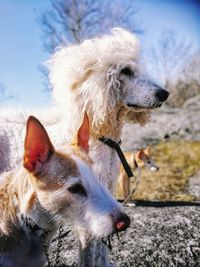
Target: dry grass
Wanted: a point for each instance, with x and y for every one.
(178, 160)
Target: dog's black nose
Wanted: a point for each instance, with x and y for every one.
(161, 95)
(122, 222)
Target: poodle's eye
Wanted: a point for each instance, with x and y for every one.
(128, 72)
(77, 189)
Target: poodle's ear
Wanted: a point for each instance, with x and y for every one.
(83, 134)
(37, 147)
(112, 83)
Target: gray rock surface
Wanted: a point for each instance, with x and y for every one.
(161, 237)
(157, 237)
(165, 124)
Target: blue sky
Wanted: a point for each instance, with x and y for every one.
(22, 52)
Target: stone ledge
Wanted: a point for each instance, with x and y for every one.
(157, 237)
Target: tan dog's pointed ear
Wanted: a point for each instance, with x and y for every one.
(37, 147)
(148, 150)
(83, 134)
(141, 154)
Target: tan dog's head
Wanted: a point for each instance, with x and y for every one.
(143, 159)
(65, 184)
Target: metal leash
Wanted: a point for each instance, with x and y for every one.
(46, 252)
(59, 245)
(31, 223)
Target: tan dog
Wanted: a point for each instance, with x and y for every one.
(138, 160)
(54, 187)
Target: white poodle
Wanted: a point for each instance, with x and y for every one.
(103, 77)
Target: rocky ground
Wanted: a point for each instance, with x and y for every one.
(165, 124)
(158, 237)
(161, 234)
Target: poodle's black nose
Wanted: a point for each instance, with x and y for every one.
(161, 95)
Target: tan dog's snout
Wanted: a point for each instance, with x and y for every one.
(154, 168)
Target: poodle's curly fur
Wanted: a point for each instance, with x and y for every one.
(104, 77)
(85, 77)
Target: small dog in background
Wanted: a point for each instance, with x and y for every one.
(140, 159)
(53, 188)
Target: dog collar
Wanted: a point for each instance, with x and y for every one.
(116, 146)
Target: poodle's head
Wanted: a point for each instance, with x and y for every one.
(103, 77)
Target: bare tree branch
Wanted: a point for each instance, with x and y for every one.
(72, 21)
(187, 84)
(4, 95)
(168, 56)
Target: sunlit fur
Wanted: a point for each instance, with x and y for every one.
(90, 77)
(93, 76)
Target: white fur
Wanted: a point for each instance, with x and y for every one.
(89, 77)
(69, 66)
(94, 213)
(101, 207)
